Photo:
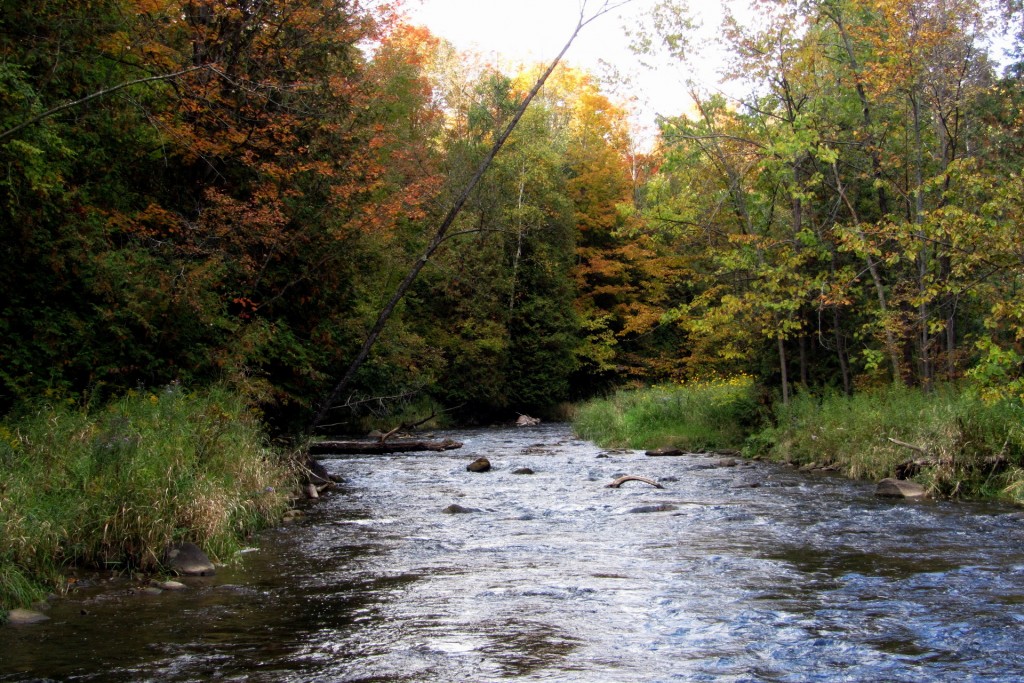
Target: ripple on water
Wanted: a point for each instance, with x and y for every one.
(805, 578)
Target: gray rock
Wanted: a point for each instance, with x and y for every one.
(728, 462)
(170, 585)
(23, 617)
(643, 509)
(900, 488)
(479, 465)
(456, 509)
(188, 559)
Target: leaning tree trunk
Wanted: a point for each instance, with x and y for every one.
(442, 230)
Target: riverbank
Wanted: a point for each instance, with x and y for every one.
(113, 487)
(949, 440)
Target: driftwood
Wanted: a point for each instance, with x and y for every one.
(622, 480)
(321, 449)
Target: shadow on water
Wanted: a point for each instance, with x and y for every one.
(557, 578)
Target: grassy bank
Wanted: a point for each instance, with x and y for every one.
(963, 446)
(699, 416)
(110, 488)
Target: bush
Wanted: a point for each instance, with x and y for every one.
(113, 487)
(695, 417)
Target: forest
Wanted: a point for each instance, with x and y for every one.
(229, 191)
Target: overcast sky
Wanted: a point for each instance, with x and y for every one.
(535, 30)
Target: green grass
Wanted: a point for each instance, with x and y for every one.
(977, 446)
(694, 417)
(973, 448)
(111, 488)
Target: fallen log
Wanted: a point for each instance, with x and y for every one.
(622, 480)
(322, 449)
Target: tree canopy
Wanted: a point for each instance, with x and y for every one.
(206, 190)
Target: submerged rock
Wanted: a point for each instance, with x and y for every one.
(900, 488)
(22, 617)
(523, 470)
(291, 515)
(170, 585)
(479, 465)
(188, 559)
(643, 509)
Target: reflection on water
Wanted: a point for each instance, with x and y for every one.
(557, 578)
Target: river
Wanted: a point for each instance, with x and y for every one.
(752, 572)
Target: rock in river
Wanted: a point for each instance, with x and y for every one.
(479, 465)
(900, 488)
(189, 560)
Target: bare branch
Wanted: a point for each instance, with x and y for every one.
(100, 93)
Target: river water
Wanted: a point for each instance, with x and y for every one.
(746, 573)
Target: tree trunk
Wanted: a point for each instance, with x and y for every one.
(784, 373)
(442, 230)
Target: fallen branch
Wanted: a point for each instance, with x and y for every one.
(405, 426)
(322, 449)
(622, 480)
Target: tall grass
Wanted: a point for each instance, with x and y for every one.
(695, 416)
(971, 447)
(111, 488)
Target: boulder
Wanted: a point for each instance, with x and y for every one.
(22, 617)
(728, 462)
(527, 421)
(479, 465)
(900, 488)
(523, 470)
(188, 559)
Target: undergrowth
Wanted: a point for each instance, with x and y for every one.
(951, 439)
(956, 443)
(695, 416)
(111, 488)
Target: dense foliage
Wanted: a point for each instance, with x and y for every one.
(229, 190)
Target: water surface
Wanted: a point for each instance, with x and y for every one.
(747, 573)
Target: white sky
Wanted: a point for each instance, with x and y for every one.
(535, 31)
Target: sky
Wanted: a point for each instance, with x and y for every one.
(536, 30)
